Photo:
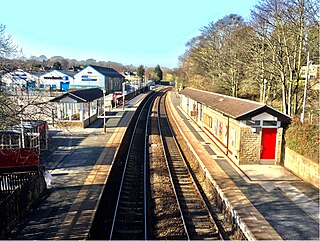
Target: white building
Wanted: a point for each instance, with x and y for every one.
(19, 79)
(56, 80)
(98, 77)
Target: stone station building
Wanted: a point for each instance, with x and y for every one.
(248, 132)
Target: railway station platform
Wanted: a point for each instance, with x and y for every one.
(79, 163)
(269, 202)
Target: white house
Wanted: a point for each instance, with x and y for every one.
(56, 80)
(19, 79)
(98, 77)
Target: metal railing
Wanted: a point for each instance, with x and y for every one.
(18, 192)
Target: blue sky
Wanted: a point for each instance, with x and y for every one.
(134, 32)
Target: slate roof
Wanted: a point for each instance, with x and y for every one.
(69, 73)
(82, 95)
(109, 72)
(236, 108)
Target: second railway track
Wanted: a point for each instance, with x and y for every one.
(198, 221)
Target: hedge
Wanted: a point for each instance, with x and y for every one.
(303, 138)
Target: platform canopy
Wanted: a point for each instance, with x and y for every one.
(79, 96)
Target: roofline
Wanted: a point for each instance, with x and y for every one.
(93, 66)
(228, 96)
(281, 116)
(56, 71)
(77, 96)
(261, 107)
(248, 112)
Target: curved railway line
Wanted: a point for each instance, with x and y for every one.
(150, 192)
(198, 221)
(129, 220)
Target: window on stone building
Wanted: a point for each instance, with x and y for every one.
(269, 123)
(252, 122)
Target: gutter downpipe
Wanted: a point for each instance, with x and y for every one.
(228, 135)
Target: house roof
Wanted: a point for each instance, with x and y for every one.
(236, 108)
(82, 95)
(65, 72)
(109, 72)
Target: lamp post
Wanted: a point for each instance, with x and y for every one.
(305, 89)
(104, 112)
(123, 90)
(20, 103)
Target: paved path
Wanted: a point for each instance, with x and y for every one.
(277, 198)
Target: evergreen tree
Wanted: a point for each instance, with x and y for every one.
(57, 66)
(140, 71)
(158, 72)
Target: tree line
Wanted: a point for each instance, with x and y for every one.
(259, 59)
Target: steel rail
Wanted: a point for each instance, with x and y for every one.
(169, 170)
(194, 184)
(126, 165)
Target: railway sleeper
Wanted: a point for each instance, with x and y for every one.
(186, 194)
(175, 156)
(196, 212)
(138, 212)
(191, 206)
(128, 223)
(182, 181)
(131, 203)
(177, 161)
(176, 167)
(181, 175)
(200, 224)
(129, 231)
(129, 208)
(203, 232)
(203, 216)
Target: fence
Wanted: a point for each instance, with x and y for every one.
(19, 190)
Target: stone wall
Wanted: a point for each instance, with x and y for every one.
(303, 167)
(249, 147)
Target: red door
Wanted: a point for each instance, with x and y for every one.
(268, 146)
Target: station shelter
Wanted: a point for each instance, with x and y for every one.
(248, 132)
(78, 108)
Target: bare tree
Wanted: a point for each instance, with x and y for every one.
(261, 59)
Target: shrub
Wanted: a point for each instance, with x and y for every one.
(303, 138)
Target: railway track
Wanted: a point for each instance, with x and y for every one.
(151, 198)
(197, 219)
(129, 221)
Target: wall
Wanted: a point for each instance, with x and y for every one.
(19, 157)
(303, 167)
(88, 78)
(249, 146)
(76, 124)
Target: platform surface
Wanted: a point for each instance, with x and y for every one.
(273, 203)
